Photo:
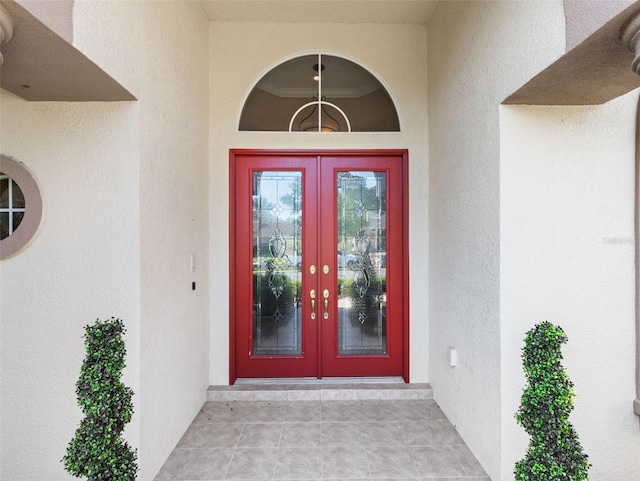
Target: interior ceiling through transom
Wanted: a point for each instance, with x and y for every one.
(321, 11)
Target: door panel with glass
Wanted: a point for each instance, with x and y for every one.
(318, 265)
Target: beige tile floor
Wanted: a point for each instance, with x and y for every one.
(355, 440)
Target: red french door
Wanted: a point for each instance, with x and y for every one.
(318, 264)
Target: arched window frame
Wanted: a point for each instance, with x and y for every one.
(26, 231)
(318, 100)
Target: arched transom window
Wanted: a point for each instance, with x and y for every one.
(319, 93)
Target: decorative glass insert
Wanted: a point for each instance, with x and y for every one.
(319, 93)
(362, 263)
(277, 263)
(12, 206)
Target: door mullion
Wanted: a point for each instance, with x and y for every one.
(321, 266)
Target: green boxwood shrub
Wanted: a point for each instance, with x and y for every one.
(554, 453)
(97, 451)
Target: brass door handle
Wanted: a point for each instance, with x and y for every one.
(312, 295)
(325, 294)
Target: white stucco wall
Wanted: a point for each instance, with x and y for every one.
(479, 53)
(159, 51)
(567, 256)
(126, 203)
(240, 54)
(82, 265)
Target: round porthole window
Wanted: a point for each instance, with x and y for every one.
(20, 207)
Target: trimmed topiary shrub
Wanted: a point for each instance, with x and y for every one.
(554, 453)
(97, 451)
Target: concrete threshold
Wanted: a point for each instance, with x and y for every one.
(327, 389)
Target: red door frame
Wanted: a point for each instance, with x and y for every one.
(402, 154)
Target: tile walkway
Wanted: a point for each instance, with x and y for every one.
(355, 440)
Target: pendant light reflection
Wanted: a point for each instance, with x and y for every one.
(310, 122)
(318, 119)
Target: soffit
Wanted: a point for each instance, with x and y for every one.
(40, 65)
(595, 71)
(321, 11)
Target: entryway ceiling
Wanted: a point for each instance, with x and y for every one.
(321, 11)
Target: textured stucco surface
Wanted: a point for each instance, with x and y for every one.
(583, 17)
(57, 15)
(567, 256)
(479, 52)
(114, 177)
(593, 72)
(159, 50)
(241, 53)
(83, 264)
